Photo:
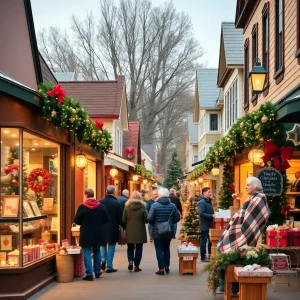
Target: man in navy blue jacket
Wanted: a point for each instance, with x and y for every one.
(206, 217)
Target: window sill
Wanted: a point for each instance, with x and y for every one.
(278, 76)
(246, 107)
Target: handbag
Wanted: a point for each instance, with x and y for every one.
(121, 236)
(164, 228)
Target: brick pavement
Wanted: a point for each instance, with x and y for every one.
(146, 284)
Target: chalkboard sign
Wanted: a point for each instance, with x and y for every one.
(271, 181)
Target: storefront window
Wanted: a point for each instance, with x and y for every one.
(90, 177)
(30, 198)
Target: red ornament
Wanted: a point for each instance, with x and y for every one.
(58, 92)
(279, 155)
(99, 125)
(285, 209)
(10, 168)
(35, 184)
(143, 161)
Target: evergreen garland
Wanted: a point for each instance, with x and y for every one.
(142, 171)
(67, 113)
(174, 172)
(190, 228)
(225, 195)
(184, 194)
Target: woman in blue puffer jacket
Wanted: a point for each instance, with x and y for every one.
(161, 211)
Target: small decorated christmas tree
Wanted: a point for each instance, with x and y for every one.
(190, 227)
(174, 172)
(184, 194)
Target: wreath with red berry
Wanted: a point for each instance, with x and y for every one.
(39, 180)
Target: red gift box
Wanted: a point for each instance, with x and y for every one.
(220, 223)
(78, 265)
(295, 238)
(277, 238)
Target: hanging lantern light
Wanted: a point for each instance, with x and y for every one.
(81, 161)
(215, 171)
(195, 182)
(258, 76)
(145, 181)
(135, 177)
(113, 172)
(191, 183)
(200, 179)
(255, 156)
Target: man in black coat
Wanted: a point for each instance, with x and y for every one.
(91, 215)
(174, 199)
(115, 212)
(123, 198)
(206, 217)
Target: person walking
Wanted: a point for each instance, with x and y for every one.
(161, 211)
(174, 199)
(206, 217)
(123, 198)
(111, 228)
(91, 216)
(134, 219)
(148, 207)
(246, 225)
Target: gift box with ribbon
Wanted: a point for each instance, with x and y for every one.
(220, 223)
(277, 238)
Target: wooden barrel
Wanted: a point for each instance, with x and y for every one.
(65, 268)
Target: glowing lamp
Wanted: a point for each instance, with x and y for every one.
(258, 76)
(215, 171)
(81, 161)
(255, 156)
(113, 172)
(135, 177)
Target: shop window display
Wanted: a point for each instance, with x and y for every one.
(30, 198)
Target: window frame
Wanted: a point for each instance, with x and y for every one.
(254, 56)
(195, 154)
(297, 55)
(246, 74)
(279, 69)
(210, 115)
(266, 44)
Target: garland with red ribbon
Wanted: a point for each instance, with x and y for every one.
(279, 155)
(58, 92)
(99, 125)
(39, 180)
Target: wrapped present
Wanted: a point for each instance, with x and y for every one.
(295, 240)
(277, 238)
(261, 272)
(29, 250)
(220, 223)
(13, 258)
(290, 237)
(78, 265)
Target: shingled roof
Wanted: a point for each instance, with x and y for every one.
(131, 138)
(208, 92)
(98, 98)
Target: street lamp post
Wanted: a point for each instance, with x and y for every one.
(258, 76)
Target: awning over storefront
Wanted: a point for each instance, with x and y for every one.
(288, 107)
(117, 161)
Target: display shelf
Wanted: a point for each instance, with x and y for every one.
(15, 220)
(35, 218)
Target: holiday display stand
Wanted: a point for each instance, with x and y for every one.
(229, 279)
(252, 287)
(214, 237)
(187, 263)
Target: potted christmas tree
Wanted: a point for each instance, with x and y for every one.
(190, 227)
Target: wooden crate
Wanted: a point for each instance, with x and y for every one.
(187, 263)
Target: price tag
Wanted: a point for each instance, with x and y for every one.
(188, 258)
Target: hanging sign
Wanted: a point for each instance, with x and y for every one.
(271, 180)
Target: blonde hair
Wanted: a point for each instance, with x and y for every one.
(136, 196)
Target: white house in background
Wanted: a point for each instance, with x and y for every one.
(191, 144)
(207, 111)
(146, 160)
(230, 74)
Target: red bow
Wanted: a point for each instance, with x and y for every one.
(279, 155)
(10, 168)
(99, 125)
(143, 161)
(231, 186)
(129, 151)
(59, 92)
(285, 209)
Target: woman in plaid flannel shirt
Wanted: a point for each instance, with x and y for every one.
(248, 222)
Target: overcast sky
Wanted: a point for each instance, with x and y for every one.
(206, 16)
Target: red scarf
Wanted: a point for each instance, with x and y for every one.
(91, 203)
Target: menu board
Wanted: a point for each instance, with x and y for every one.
(271, 180)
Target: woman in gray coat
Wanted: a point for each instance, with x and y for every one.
(134, 219)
